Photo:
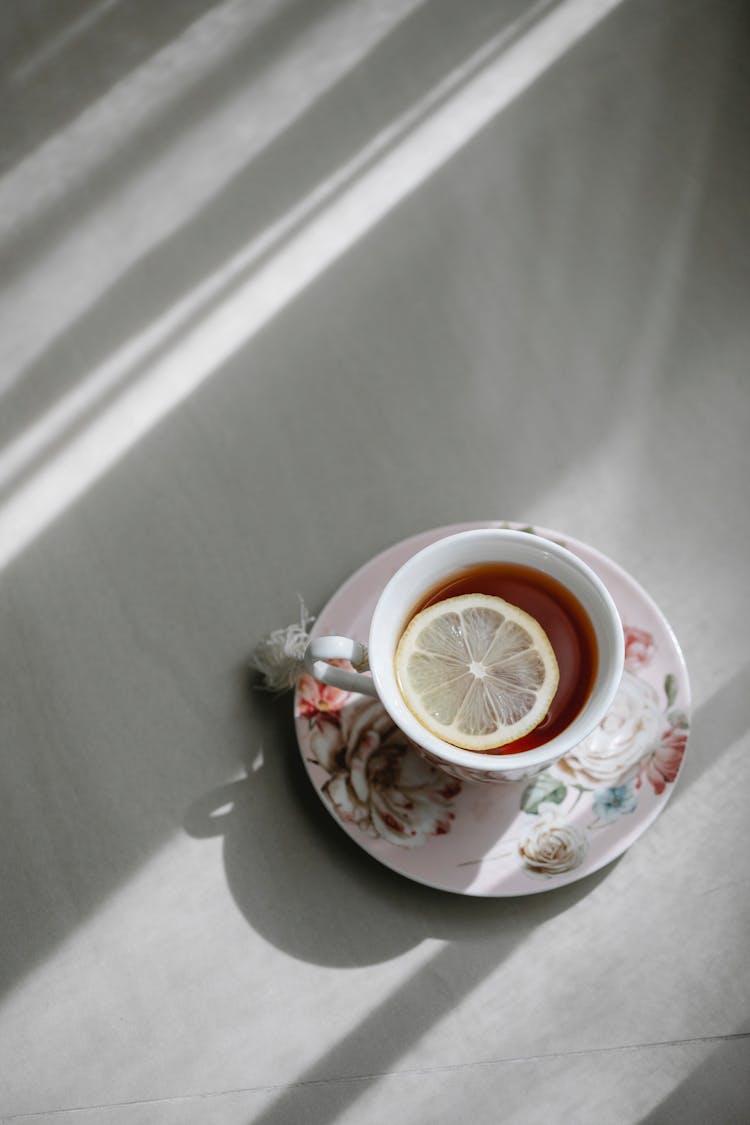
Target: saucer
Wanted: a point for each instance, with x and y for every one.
(497, 840)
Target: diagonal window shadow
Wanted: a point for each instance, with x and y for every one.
(305, 215)
(123, 854)
(47, 42)
(270, 185)
(431, 994)
(249, 56)
(45, 939)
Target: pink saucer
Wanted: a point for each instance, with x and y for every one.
(499, 840)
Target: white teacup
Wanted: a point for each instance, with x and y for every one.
(395, 607)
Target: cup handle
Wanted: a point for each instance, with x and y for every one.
(323, 649)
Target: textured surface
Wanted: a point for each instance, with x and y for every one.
(282, 284)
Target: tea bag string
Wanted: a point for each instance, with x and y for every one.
(279, 656)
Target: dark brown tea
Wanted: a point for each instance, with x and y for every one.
(563, 619)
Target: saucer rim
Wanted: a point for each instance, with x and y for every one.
(552, 882)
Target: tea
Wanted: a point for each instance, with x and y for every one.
(563, 619)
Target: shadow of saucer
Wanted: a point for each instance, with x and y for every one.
(306, 887)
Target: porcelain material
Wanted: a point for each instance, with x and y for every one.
(426, 568)
(578, 814)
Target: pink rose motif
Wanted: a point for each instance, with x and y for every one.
(639, 647)
(662, 767)
(326, 739)
(378, 782)
(314, 697)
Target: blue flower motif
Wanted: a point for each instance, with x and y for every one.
(611, 803)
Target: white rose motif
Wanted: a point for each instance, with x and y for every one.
(552, 847)
(630, 730)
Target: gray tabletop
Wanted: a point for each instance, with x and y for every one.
(284, 284)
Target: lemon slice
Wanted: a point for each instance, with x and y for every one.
(476, 671)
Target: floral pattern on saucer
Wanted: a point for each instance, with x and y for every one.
(376, 781)
(517, 838)
(641, 739)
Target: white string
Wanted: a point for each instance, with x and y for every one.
(279, 657)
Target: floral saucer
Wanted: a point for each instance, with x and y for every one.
(499, 840)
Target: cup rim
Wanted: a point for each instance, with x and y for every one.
(477, 762)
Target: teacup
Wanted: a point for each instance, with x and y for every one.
(404, 593)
